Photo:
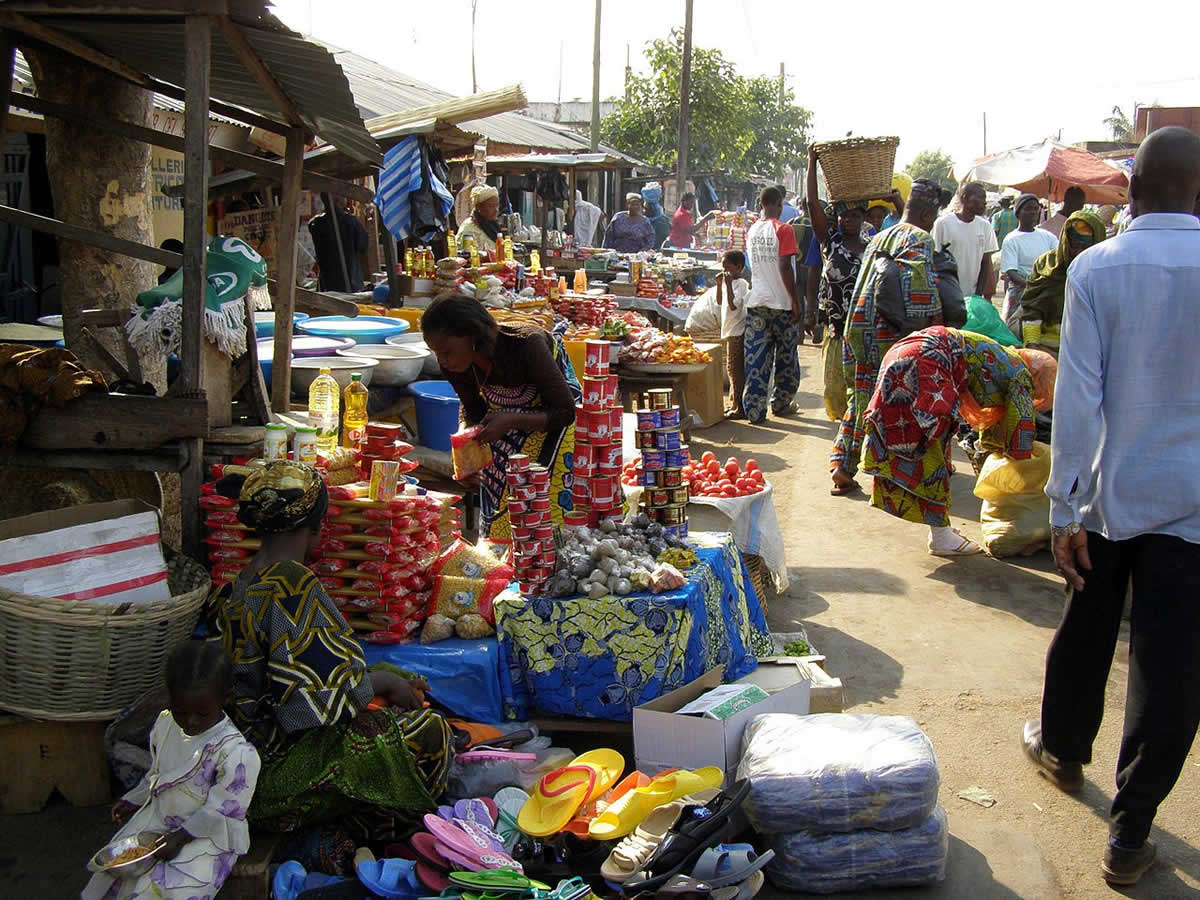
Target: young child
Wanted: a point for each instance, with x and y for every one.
(732, 284)
(201, 779)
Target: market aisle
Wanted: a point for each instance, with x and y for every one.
(958, 645)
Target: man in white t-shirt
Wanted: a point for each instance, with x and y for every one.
(970, 238)
(774, 313)
(1020, 251)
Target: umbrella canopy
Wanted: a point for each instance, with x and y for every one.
(1048, 169)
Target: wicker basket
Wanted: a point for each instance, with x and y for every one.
(858, 168)
(759, 577)
(73, 661)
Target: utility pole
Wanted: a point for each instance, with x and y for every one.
(685, 86)
(628, 73)
(985, 133)
(596, 83)
(474, 80)
(558, 106)
(781, 77)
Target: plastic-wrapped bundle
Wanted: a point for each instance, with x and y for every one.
(861, 860)
(837, 772)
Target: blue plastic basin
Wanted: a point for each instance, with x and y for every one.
(363, 329)
(264, 322)
(437, 413)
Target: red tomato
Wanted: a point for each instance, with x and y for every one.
(751, 464)
(714, 467)
(727, 492)
(731, 468)
(708, 456)
(725, 483)
(733, 461)
(757, 475)
(745, 484)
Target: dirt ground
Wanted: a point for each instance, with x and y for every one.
(958, 645)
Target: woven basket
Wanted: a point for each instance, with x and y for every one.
(858, 168)
(759, 577)
(72, 661)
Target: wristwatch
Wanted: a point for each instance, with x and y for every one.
(1066, 530)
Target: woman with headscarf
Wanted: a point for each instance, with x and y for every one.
(483, 227)
(629, 231)
(517, 382)
(1045, 291)
(302, 688)
(927, 381)
(839, 254)
(899, 291)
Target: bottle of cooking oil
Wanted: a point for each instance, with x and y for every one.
(354, 422)
(323, 403)
(535, 262)
(408, 262)
(451, 244)
(508, 251)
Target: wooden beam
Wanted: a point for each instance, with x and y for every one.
(130, 8)
(255, 165)
(250, 60)
(197, 63)
(68, 44)
(237, 113)
(99, 239)
(168, 459)
(116, 422)
(285, 293)
(256, 388)
(8, 52)
(317, 304)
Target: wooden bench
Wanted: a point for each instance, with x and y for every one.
(251, 875)
(41, 757)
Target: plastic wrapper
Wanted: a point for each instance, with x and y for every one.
(437, 628)
(978, 416)
(468, 454)
(983, 318)
(1015, 515)
(666, 577)
(861, 860)
(1044, 369)
(837, 772)
(473, 626)
(466, 579)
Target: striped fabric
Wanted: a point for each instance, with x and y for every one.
(401, 176)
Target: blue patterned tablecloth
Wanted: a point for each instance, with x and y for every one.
(601, 658)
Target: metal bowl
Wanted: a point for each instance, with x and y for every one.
(305, 370)
(398, 365)
(150, 840)
(430, 368)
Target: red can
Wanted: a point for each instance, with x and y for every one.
(581, 490)
(518, 462)
(534, 519)
(539, 504)
(658, 497)
(516, 478)
(606, 469)
(596, 358)
(575, 518)
(539, 476)
(599, 423)
(610, 455)
(518, 507)
(651, 513)
(521, 533)
(604, 490)
(593, 393)
(612, 390)
(582, 420)
(584, 457)
(646, 440)
(616, 423)
(670, 477)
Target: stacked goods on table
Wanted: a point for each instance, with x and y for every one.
(664, 455)
(583, 309)
(466, 581)
(532, 529)
(848, 802)
(661, 348)
(620, 558)
(651, 287)
(707, 478)
(596, 491)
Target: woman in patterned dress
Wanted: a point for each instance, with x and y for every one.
(517, 382)
(927, 381)
(302, 687)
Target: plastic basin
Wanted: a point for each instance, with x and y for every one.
(437, 413)
(430, 369)
(305, 369)
(264, 322)
(363, 329)
(398, 365)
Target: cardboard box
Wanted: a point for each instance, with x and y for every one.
(98, 552)
(775, 673)
(705, 391)
(663, 740)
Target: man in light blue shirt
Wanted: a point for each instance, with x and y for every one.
(1124, 494)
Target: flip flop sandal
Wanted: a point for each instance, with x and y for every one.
(747, 890)
(506, 741)
(293, 882)
(483, 752)
(445, 812)
(508, 804)
(473, 811)
(493, 813)
(627, 813)
(683, 887)
(966, 547)
(463, 845)
(501, 880)
(568, 889)
(844, 490)
(483, 836)
(391, 879)
(434, 879)
(728, 864)
(425, 848)
(555, 800)
(608, 765)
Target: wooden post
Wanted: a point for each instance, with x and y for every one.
(595, 135)
(197, 59)
(331, 211)
(7, 53)
(285, 292)
(685, 88)
(572, 181)
(390, 260)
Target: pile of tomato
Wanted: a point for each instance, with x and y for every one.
(709, 478)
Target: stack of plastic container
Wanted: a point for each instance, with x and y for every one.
(664, 455)
(534, 556)
(596, 493)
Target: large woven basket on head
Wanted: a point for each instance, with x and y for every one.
(74, 661)
(858, 168)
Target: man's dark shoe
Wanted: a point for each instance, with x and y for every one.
(1124, 867)
(1066, 776)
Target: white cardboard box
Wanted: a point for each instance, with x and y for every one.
(664, 740)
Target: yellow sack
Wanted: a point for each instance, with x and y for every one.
(1015, 515)
(835, 377)
(1002, 478)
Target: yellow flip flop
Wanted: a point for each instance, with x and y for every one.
(631, 810)
(558, 795)
(608, 764)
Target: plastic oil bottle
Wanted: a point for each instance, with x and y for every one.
(354, 422)
(323, 403)
(581, 281)
(451, 244)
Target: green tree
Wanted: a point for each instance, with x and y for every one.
(936, 165)
(1119, 125)
(736, 123)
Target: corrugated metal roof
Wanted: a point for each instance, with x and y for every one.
(378, 90)
(305, 70)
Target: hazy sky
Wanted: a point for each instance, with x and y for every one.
(926, 71)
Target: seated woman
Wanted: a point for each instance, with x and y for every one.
(1045, 291)
(926, 382)
(301, 686)
(517, 382)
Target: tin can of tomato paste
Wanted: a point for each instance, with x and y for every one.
(518, 462)
(658, 497)
(523, 491)
(612, 390)
(539, 504)
(593, 393)
(521, 533)
(685, 454)
(658, 398)
(651, 512)
(649, 420)
(645, 440)
(669, 417)
(650, 478)
(677, 496)
(544, 533)
(667, 439)
(539, 477)
(671, 477)
(616, 423)
(581, 423)
(673, 515)
(653, 459)
(599, 423)
(675, 459)
(679, 531)
(581, 491)
(596, 357)
(518, 507)
(604, 490)
(584, 464)
(575, 518)
(534, 519)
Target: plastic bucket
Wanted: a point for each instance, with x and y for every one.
(577, 351)
(437, 413)
(408, 314)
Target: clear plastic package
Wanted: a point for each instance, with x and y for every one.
(837, 772)
(861, 860)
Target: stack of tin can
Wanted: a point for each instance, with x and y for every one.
(664, 455)
(596, 493)
(534, 556)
